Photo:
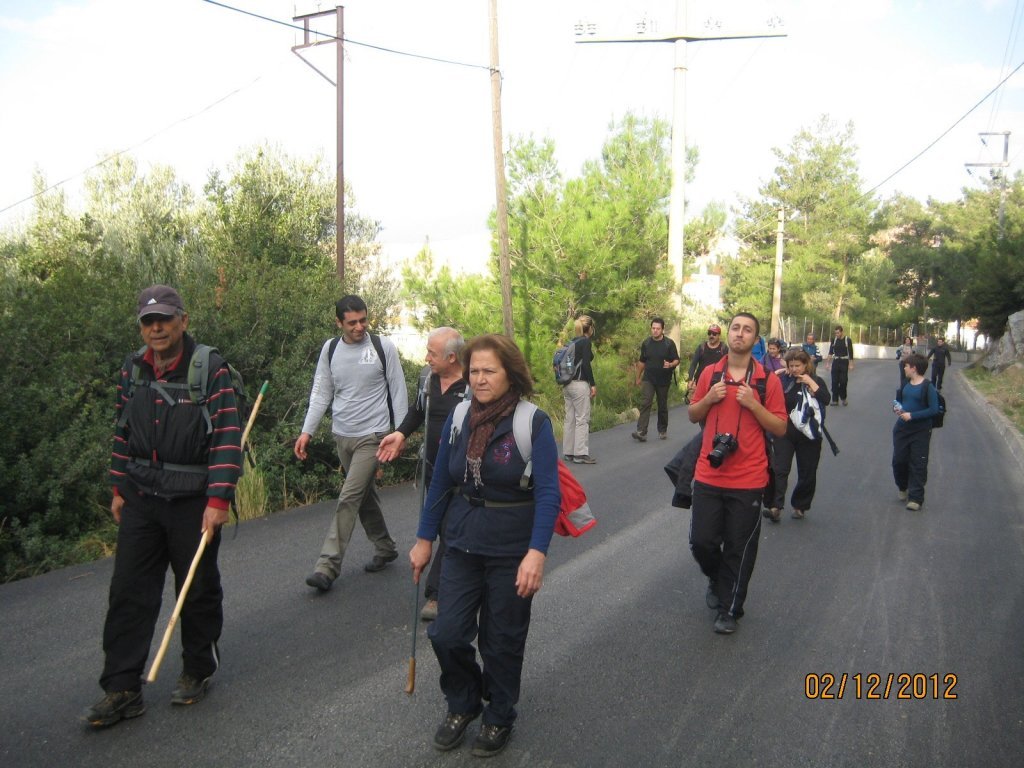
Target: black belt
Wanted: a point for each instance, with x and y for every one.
(479, 501)
(198, 469)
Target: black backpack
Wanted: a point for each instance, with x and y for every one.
(937, 418)
(197, 383)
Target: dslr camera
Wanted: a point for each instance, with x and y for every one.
(721, 446)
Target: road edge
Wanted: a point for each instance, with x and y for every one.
(1011, 435)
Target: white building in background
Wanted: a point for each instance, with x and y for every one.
(463, 255)
(704, 285)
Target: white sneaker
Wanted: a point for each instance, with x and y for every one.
(901, 495)
(913, 506)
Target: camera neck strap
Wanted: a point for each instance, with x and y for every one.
(720, 376)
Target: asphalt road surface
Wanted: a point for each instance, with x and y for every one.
(622, 666)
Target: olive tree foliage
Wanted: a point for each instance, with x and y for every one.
(254, 261)
(593, 244)
(827, 219)
(69, 286)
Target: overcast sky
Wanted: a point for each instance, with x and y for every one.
(189, 84)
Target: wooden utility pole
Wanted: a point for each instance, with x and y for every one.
(501, 192)
(586, 33)
(777, 292)
(339, 195)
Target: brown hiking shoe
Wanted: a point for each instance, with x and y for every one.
(113, 707)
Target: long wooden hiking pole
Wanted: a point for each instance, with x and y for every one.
(410, 683)
(207, 536)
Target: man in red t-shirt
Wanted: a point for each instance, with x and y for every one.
(732, 470)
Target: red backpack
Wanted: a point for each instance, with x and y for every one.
(574, 515)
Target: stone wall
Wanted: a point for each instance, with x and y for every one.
(1008, 349)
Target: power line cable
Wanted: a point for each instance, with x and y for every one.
(349, 40)
(945, 132)
(760, 229)
(1011, 45)
(132, 148)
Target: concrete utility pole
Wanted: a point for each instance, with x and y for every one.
(1002, 174)
(339, 201)
(586, 33)
(504, 264)
(777, 292)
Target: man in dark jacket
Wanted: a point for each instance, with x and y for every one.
(439, 391)
(708, 353)
(174, 468)
(840, 355)
(940, 356)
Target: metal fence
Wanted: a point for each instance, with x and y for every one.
(795, 330)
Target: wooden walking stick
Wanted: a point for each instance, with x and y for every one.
(207, 536)
(158, 659)
(410, 684)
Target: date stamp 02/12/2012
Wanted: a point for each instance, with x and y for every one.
(892, 685)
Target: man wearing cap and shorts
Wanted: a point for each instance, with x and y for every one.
(173, 471)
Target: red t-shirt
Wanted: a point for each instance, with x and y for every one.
(747, 466)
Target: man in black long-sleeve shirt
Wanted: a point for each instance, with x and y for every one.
(445, 388)
(840, 354)
(940, 353)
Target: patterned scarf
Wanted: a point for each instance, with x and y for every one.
(483, 418)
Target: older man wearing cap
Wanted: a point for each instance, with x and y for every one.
(173, 471)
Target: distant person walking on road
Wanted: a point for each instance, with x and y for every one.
(912, 433)
(732, 471)
(658, 358)
(940, 357)
(359, 377)
(578, 395)
(445, 388)
(173, 471)
(904, 351)
(798, 381)
(498, 535)
(840, 355)
(810, 346)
